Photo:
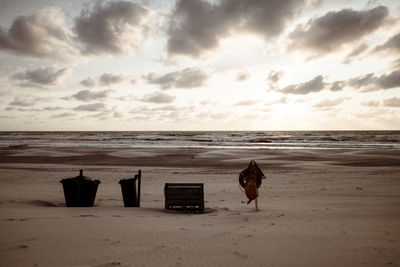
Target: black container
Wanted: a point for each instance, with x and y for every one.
(131, 193)
(80, 191)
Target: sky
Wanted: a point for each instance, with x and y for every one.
(73, 65)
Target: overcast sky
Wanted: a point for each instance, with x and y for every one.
(199, 65)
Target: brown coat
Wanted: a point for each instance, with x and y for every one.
(250, 180)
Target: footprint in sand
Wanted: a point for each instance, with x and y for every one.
(222, 234)
(87, 215)
(110, 264)
(240, 255)
(110, 241)
(20, 220)
(160, 247)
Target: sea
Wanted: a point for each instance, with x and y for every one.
(205, 139)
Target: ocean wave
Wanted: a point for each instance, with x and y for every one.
(235, 139)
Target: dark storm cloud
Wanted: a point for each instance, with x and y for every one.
(48, 76)
(87, 95)
(393, 102)
(88, 82)
(197, 26)
(40, 35)
(186, 78)
(335, 29)
(111, 28)
(158, 98)
(107, 79)
(90, 107)
(315, 85)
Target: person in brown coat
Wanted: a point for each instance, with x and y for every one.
(250, 180)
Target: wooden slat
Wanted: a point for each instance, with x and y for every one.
(184, 195)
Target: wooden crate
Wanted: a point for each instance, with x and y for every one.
(184, 196)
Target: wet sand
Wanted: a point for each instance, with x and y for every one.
(317, 208)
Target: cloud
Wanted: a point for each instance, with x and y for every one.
(242, 75)
(315, 85)
(107, 79)
(196, 26)
(389, 81)
(116, 27)
(117, 114)
(40, 35)
(48, 76)
(391, 45)
(158, 98)
(126, 98)
(355, 52)
(392, 102)
(282, 100)
(336, 29)
(23, 101)
(328, 103)
(88, 82)
(63, 115)
(364, 83)
(275, 76)
(246, 103)
(52, 108)
(337, 86)
(371, 82)
(371, 103)
(186, 78)
(87, 95)
(90, 107)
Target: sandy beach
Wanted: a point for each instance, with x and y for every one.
(317, 208)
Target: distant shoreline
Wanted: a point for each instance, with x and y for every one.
(206, 139)
(201, 157)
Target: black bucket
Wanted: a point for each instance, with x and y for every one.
(80, 191)
(131, 193)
